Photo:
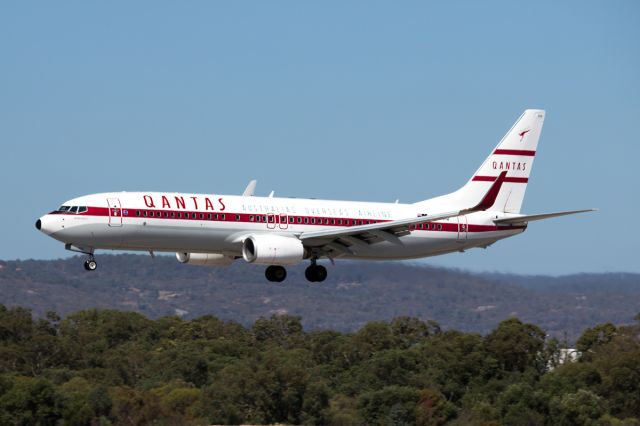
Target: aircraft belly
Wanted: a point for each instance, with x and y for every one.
(418, 246)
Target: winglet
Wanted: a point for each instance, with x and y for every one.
(251, 187)
(490, 197)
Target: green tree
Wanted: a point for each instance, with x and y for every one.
(29, 400)
(433, 409)
(580, 408)
(389, 405)
(517, 346)
(595, 337)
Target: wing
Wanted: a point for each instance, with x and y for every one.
(346, 241)
(530, 218)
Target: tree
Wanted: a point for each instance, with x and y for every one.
(389, 405)
(517, 346)
(579, 408)
(29, 400)
(432, 409)
(595, 337)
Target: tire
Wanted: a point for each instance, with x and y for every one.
(90, 265)
(321, 273)
(279, 274)
(268, 273)
(310, 274)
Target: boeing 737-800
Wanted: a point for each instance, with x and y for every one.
(216, 230)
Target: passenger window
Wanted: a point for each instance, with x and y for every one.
(306, 220)
(173, 214)
(326, 221)
(290, 219)
(215, 216)
(237, 217)
(201, 215)
(439, 227)
(251, 218)
(193, 215)
(166, 214)
(299, 220)
(333, 221)
(137, 212)
(222, 216)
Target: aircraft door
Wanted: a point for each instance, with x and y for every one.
(271, 221)
(463, 228)
(284, 224)
(115, 212)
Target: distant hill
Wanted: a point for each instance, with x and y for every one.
(354, 293)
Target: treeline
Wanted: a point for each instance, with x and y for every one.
(101, 367)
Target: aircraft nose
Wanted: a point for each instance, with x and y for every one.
(46, 225)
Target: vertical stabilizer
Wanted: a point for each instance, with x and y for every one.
(514, 154)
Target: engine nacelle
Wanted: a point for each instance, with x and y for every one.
(205, 259)
(266, 249)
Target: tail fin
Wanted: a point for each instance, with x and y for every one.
(514, 154)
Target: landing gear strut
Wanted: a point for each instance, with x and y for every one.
(315, 273)
(275, 273)
(90, 264)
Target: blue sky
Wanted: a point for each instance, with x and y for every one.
(347, 100)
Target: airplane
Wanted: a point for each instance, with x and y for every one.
(217, 230)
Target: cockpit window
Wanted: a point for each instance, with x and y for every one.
(82, 209)
(63, 208)
(73, 209)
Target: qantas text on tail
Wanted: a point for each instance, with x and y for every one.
(216, 230)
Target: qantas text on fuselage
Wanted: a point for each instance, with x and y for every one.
(217, 230)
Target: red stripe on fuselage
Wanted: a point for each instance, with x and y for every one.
(126, 213)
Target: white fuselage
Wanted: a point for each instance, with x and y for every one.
(200, 223)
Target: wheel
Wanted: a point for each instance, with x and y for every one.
(310, 274)
(275, 273)
(90, 265)
(279, 274)
(321, 273)
(315, 273)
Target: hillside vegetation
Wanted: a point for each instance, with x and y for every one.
(354, 294)
(112, 367)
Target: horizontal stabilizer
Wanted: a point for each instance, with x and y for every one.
(532, 217)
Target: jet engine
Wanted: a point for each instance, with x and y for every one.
(206, 259)
(265, 249)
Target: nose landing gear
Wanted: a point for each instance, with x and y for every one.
(90, 264)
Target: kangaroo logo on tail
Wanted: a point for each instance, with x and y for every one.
(521, 134)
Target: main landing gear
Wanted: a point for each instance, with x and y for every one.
(314, 273)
